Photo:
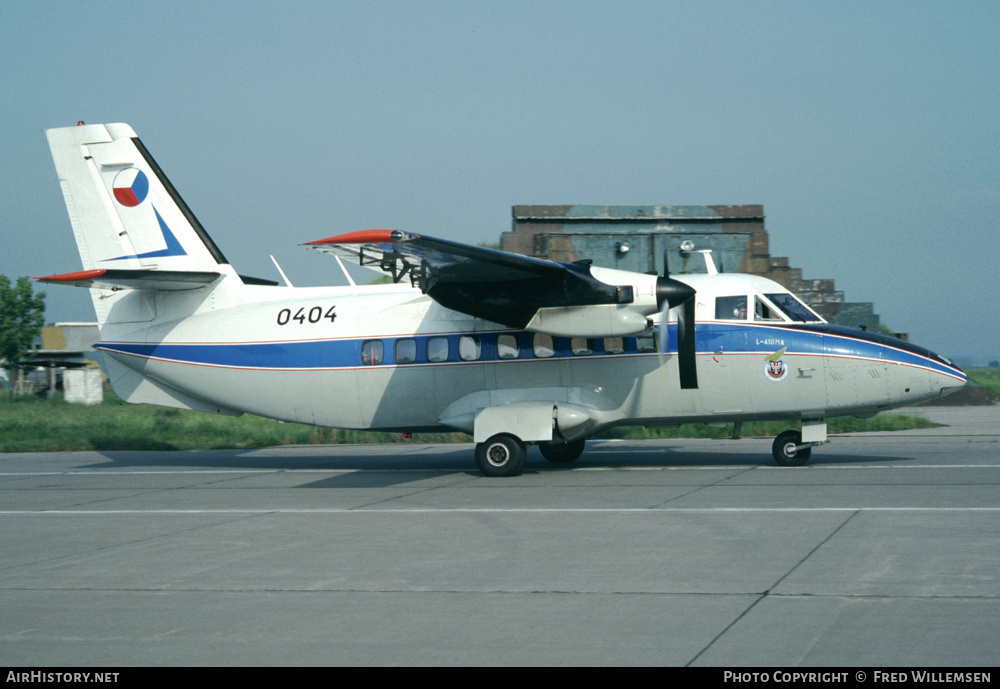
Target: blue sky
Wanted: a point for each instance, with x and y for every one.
(870, 131)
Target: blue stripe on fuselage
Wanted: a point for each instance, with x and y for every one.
(816, 340)
(318, 354)
(712, 338)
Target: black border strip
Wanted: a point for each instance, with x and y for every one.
(202, 234)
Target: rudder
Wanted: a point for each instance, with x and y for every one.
(124, 211)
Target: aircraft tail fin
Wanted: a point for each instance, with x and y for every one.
(128, 219)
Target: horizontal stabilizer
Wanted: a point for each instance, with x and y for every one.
(167, 280)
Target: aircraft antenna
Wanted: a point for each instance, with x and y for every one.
(283, 276)
(344, 268)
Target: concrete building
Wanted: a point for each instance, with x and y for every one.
(636, 238)
(64, 357)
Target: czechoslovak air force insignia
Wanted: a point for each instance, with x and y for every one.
(774, 368)
(130, 187)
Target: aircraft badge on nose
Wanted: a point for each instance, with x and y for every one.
(774, 368)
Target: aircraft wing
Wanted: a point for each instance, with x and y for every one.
(497, 286)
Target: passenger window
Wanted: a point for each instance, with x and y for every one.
(507, 347)
(614, 345)
(405, 351)
(581, 346)
(645, 343)
(543, 346)
(731, 308)
(371, 352)
(763, 312)
(437, 349)
(469, 348)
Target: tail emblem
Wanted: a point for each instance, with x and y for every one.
(174, 247)
(131, 187)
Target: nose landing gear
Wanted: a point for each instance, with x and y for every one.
(789, 451)
(793, 449)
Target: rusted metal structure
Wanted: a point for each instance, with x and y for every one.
(637, 238)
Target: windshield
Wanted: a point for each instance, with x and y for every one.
(792, 307)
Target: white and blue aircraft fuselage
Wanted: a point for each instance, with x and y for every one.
(512, 349)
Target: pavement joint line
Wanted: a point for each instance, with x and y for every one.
(491, 510)
(726, 467)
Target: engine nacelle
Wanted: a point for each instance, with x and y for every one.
(630, 317)
(602, 320)
(644, 295)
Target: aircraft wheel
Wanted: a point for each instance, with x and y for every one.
(501, 455)
(784, 450)
(562, 453)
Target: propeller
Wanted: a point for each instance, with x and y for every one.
(670, 294)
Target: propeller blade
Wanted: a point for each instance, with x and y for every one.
(686, 352)
(670, 294)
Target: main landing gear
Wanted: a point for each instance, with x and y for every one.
(504, 454)
(501, 455)
(562, 453)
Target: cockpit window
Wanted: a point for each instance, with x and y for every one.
(763, 312)
(792, 307)
(731, 308)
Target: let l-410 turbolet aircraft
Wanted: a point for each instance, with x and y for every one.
(512, 349)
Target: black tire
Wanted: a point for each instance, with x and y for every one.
(501, 455)
(562, 453)
(784, 450)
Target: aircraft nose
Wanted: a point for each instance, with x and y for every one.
(947, 379)
(915, 374)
